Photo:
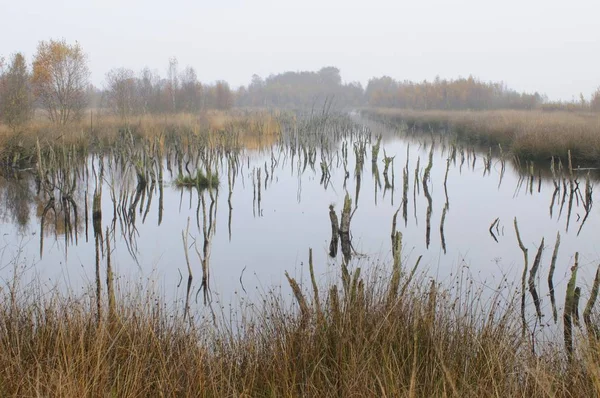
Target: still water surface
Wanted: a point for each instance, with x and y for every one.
(255, 241)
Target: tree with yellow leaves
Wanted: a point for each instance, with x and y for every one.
(60, 78)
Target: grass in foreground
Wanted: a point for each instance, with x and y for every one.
(531, 135)
(367, 337)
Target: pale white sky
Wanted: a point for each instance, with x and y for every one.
(548, 46)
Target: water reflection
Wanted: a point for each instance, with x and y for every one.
(279, 201)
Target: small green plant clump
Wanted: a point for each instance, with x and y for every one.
(199, 181)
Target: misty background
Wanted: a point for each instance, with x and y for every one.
(548, 47)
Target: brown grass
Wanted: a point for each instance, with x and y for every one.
(533, 135)
(254, 129)
(427, 341)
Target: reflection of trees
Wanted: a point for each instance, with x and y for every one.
(56, 221)
(17, 198)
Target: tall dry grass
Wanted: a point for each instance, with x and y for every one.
(534, 135)
(254, 129)
(362, 337)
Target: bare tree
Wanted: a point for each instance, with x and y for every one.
(223, 95)
(147, 86)
(190, 91)
(121, 91)
(173, 81)
(15, 103)
(595, 101)
(60, 79)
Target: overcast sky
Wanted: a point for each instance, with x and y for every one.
(548, 46)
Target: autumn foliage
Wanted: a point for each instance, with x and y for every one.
(60, 79)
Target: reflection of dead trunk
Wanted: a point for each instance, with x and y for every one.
(259, 190)
(446, 183)
(375, 150)
(428, 215)
(587, 202)
(416, 189)
(149, 202)
(405, 193)
(112, 309)
(345, 229)
(556, 191)
(97, 212)
(98, 239)
(325, 174)
(335, 230)
(525, 267)
(387, 162)
(139, 190)
(190, 276)
(428, 196)
(376, 178)
(570, 207)
(49, 205)
(208, 227)
(551, 276)
(253, 194)
(564, 197)
(531, 281)
(86, 216)
(358, 182)
(97, 224)
(230, 183)
(442, 227)
(491, 229)
(160, 194)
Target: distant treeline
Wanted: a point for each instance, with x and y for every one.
(459, 94)
(127, 93)
(301, 90)
(58, 82)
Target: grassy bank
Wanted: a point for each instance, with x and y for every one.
(363, 337)
(234, 129)
(531, 135)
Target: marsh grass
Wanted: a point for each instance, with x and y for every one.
(531, 135)
(351, 339)
(255, 129)
(199, 181)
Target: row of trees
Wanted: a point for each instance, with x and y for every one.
(456, 94)
(59, 83)
(129, 94)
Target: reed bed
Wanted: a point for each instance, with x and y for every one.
(530, 135)
(98, 131)
(377, 335)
